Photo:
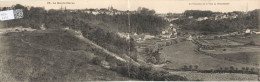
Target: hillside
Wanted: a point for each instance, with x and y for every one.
(64, 55)
(50, 55)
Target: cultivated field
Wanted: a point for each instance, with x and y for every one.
(245, 55)
(224, 53)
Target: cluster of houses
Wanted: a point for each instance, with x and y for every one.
(109, 11)
(167, 34)
(252, 31)
(170, 33)
(171, 17)
(218, 17)
(243, 32)
(137, 37)
(124, 35)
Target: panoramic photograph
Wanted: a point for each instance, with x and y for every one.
(129, 40)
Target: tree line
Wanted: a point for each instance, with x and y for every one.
(144, 21)
(231, 69)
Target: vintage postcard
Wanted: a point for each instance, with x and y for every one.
(129, 40)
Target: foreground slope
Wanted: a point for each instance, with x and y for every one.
(50, 55)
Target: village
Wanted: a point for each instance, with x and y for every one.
(216, 16)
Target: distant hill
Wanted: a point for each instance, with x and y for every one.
(242, 21)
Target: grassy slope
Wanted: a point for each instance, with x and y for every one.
(51, 55)
(245, 55)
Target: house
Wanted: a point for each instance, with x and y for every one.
(138, 38)
(202, 18)
(220, 16)
(189, 38)
(135, 34)
(148, 37)
(163, 32)
(166, 35)
(256, 32)
(95, 12)
(169, 33)
(42, 27)
(124, 35)
(248, 31)
(232, 16)
(190, 17)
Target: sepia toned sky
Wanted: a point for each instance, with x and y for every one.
(160, 6)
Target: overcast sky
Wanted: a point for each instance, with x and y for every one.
(160, 6)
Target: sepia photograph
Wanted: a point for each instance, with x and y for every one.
(129, 40)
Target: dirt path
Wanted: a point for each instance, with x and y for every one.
(108, 52)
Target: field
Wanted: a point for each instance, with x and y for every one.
(236, 49)
(183, 54)
(220, 42)
(242, 39)
(227, 53)
(246, 55)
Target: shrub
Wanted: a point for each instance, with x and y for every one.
(196, 67)
(190, 67)
(96, 60)
(252, 69)
(247, 68)
(174, 78)
(185, 67)
(147, 73)
(226, 69)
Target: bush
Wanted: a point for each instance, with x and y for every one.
(185, 68)
(96, 60)
(196, 67)
(147, 73)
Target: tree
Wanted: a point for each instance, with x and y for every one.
(96, 61)
(251, 43)
(252, 69)
(198, 13)
(247, 68)
(190, 67)
(243, 69)
(231, 68)
(91, 10)
(226, 69)
(196, 67)
(145, 11)
(19, 6)
(220, 68)
(185, 67)
(236, 69)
